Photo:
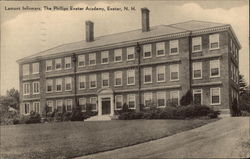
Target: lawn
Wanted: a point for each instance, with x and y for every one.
(73, 139)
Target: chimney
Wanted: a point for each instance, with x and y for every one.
(145, 19)
(89, 31)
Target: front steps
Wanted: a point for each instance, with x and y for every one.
(224, 113)
(99, 118)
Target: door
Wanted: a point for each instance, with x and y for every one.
(105, 106)
(197, 95)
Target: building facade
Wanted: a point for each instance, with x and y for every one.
(149, 65)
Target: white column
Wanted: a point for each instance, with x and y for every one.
(112, 105)
(99, 105)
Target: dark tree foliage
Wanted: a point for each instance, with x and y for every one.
(242, 84)
(187, 98)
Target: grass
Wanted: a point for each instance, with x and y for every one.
(73, 139)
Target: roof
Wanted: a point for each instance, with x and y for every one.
(155, 31)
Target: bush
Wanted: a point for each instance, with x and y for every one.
(33, 118)
(187, 98)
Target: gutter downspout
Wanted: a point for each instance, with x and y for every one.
(75, 85)
(138, 51)
(190, 61)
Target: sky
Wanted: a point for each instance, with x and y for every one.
(24, 33)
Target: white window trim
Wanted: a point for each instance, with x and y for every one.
(178, 66)
(115, 56)
(211, 96)
(70, 105)
(70, 84)
(95, 82)
(57, 69)
(28, 72)
(80, 61)
(52, 104)
(46, 63)
(194, 70)
(201, 92)
(144, 70)
(150, 51)
(127, 49)
(194, 51)
(117, 72)
(94, 54)
(164, 54)
(116, 100)
(95, 103)
(210, 72)
(178, 93)
(61, 85)
(39, 107)
(47, 86)
(144, 99)
(79, 77)
(57, 101)
(165, 98)
(176, 53)
(157, 71)
(127, 79)
(29, 108)
(24, 88)
(106, 73)
(102, 57)
(66, 63)
(33, 68)
(33, 83)
(85, 103)
(210, 42)
(134, 100)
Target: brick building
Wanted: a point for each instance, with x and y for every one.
(153, 64)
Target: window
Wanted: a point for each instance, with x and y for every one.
(82, 82)
(214, 41)
(118, 102)
(161, 99)
(105, 57)
(26, 69)
(118, 78)
(58, 85)
(92, 80)
(92, 59)
(130, 53)
(174, 72)
(67, 62)
(196, 44)
(68, 83)
(26, 89)
(69, 105)
(93, 102)
(59, 105)
(36, 107)
(174, 47)
(58, 63)
(160, 73)
(50, 106)
(118, 55)
(232, 70)
(35, 68)
(131, 101)
(48, 65)
(174, 97)
(231, 46)
(147, 99)
(49, 86)
(130, 77)
(26, 108)
(82, 104)
(215, 68)
(105, 79)
(197, 70)
(197, 96)
(81, 60)
(160, 49)
(215, 96)
(147, 51)
(147, 75)
(36, 87)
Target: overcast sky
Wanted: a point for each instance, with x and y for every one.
(24, 33)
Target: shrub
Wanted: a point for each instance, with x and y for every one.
(187, 98)
(77, 114)
(33, 118)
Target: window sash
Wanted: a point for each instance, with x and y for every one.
(82, 104)
(36, 87)
(147, 50)
(197, 44)
(131, 101)
(147, 75)
(197, 70)
(161, 99)
(35, 68)
(92, 59)
(215, 96)
(26, 88)
(214, 68)
(81, 60)
(69, 104)
(160, 49)
(174, 72)
(147, 99)
(104, 57)
(131, 77)
(160, 73)
(49, 85)
(48, 65)
(214, 41)
(118, 102)
(58, 63)
(174, 46)
(93, 102)
(130, 53)
(26, 69)
(118, 55)
(118, 78)
(26, 108)
(82, 82)
(68, 83)
(92, 80)
(174, 97)
(67, 62)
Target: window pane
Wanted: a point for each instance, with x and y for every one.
(174, 45)
(81, 60)
(26, 69)
(160, 48)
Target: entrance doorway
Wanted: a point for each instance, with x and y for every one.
(106, 106)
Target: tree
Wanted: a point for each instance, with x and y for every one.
(187, 98)
(242, 84)
(12, 98)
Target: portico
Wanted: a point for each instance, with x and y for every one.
(105, 102)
